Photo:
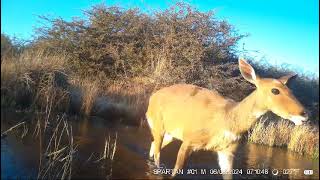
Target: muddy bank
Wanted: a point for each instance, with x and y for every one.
(103, 107)
(59, 95)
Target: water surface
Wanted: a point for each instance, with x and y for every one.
(20, 156)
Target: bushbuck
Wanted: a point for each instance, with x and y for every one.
(203, 119)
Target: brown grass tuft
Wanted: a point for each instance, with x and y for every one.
(305, 140)
(300, 139)
(34, 79)
(90, 89)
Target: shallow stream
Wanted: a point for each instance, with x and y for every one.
(20, 157)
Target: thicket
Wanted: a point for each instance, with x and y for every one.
(170, 44)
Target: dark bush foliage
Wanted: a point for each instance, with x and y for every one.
(8, 49)
(11, 47)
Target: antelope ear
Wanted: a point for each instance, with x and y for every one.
(286, 78)
(247, 71)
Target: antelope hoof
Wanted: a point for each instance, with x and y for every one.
(151, 153)
(174, 173)
(157, 160)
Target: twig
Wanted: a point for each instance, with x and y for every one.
(10, 129)
(25, 131)
(57, 152)
(89, 158)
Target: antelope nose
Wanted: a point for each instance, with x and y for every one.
(304, 114)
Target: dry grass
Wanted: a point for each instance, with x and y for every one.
(305, 140)
(122, 100)
(30, 61)
(300, 139)
(34, 78)
(58, 153)
(5, 133)
(108, 154)
(41, 82)
(90, 89)
(131, 97)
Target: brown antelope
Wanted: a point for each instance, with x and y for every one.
(203, 119)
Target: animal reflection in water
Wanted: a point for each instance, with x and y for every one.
(203, 119)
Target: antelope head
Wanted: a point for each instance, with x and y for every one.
(273, 95)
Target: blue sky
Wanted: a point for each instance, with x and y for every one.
(283, 31)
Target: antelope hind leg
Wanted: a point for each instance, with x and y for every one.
(166, 140)
(184, 152)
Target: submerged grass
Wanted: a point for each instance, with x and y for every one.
(57, 149)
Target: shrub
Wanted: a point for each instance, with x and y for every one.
(170, 44)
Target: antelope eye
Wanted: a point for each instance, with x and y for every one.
(275, 91)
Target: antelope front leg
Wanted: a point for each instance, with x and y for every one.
(184, 152)
(225, 163)
(226, 160)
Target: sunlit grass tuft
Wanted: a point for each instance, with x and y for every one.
(301, 139)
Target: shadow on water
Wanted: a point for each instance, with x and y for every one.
(20, 156)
